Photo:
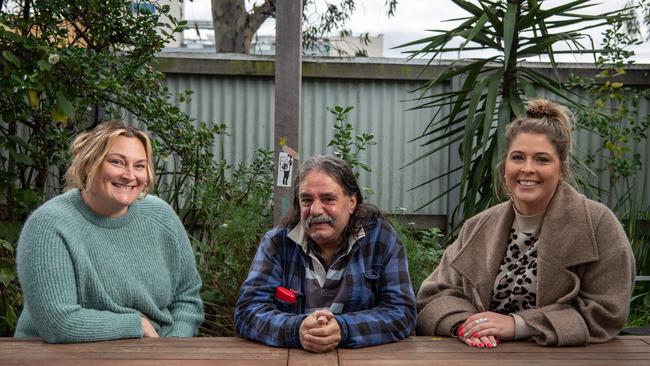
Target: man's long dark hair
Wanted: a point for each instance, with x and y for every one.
(340, 171)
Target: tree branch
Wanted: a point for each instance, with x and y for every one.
(257, 17)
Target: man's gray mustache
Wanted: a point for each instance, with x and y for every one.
(322, 219)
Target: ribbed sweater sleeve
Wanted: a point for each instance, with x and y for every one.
(47, 278)
(186, 308)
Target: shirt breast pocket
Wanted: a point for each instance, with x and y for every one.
(372, 278)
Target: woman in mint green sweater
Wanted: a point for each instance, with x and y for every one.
(104, 260)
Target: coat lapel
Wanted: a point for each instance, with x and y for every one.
(567, 231)
(483, 250)
(566, 240)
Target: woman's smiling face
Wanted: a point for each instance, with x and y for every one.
(532, 172)
(120, 179)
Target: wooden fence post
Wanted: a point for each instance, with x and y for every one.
(288, 75)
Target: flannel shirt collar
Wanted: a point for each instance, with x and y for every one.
(297, 234)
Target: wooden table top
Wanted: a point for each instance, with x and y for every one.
(414, 351)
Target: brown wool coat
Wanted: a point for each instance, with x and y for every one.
(585, 273)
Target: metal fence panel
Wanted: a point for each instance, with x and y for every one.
(246, 106)
(238, 91)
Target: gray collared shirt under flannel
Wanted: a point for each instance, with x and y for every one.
(325, 286)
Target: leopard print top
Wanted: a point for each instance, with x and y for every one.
(515, 287)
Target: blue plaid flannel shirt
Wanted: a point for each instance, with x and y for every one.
(380, 304)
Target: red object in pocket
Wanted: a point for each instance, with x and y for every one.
(284, 294)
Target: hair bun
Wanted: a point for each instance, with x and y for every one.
(541, 109)
(550, 113)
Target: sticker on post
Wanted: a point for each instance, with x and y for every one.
(285, 168)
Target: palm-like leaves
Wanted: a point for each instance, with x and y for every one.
(492, 88)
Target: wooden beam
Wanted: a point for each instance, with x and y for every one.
(360, 68)
(288, 75)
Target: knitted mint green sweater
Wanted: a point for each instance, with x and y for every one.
(89, 278)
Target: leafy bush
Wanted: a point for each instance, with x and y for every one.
(224, 261)
(346, 147)
(615, 117)
(64, 64)
(10, 295)
(640, 309)
(424, 251)
(234, 215)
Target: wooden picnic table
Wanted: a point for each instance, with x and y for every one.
(414, 351)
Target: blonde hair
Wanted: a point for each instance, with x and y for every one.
(90, 148)
(550, 119)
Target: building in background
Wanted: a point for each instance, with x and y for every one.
(199, 37)
(345, 46)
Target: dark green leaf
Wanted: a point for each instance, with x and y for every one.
(509, 25)
(6, 276)
(9, 56)
(20, 158)
(64, 105)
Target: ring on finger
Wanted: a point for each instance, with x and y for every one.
(480, 320)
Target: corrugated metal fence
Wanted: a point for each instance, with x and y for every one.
(238, 91)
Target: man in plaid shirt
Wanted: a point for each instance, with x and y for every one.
(333, 274)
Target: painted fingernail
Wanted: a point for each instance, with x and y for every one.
(471, 344)
(475, 335)
(460, 331)
(480, 345)
(489, 345)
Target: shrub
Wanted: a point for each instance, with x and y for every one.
(424, 251)
(233, 216)
(10, 295)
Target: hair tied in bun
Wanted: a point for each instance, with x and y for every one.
(540, 111)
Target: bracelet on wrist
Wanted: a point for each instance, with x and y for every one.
(454, 329)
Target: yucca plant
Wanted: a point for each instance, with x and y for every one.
(492, 89)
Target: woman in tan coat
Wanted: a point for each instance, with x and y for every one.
(548, 265)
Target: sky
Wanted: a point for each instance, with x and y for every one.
(413, 18)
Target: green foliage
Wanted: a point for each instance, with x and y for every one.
(234, 216)
(424, 250)
(345, 146)
(348, 148)
(640, 309)
(185, 161)
(491, 90)
(10, 294)
(639, 317)
(614, 116)
(63, 62)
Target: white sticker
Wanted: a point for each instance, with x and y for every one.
(285, 167)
